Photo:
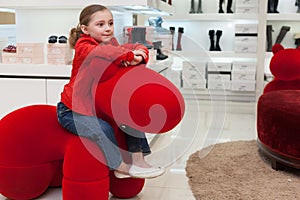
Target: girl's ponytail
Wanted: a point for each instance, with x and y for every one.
(74, 36)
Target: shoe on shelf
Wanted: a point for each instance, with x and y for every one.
(10, 49)
(120, 175)
(139, 172)
(52, 39)
(62, 39)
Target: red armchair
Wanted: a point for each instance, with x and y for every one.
(278, 110)
(37, 153)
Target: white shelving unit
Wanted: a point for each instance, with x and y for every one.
(197, 25)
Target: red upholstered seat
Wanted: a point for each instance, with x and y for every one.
(278, 117)
(278, 109)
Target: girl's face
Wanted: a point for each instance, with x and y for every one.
(100, 27)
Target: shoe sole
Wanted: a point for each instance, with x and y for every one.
(149, 176)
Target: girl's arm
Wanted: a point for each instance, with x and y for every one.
(136, 48)
(116, 54)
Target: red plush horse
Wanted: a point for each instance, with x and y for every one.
(37, 153)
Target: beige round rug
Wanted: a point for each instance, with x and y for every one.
(239, 171)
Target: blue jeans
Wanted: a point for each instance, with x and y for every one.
(102, 133)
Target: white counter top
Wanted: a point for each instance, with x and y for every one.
(46, 71)
(38, 70)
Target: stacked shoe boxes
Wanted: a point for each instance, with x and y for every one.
(246, 6)
(219, 75)
(243, 76)
(245, 40)
(59, 54)
(26, 53)
(194, 74)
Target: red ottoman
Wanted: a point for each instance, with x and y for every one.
(278, 127)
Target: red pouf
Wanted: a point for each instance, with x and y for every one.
(278, 117)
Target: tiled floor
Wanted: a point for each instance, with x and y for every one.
(205, 123)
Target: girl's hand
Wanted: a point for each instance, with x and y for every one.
(136, 60)
(140, 52)
(139, 56)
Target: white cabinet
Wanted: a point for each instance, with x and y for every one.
(18, 92)
(22, 85)
(53, 90)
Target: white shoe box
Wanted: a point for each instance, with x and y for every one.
(245, 44)
(242, 48)
(192, 71)
(27, 53)
(246, 9)
(30, 49)
(219, 66)
(9, 58)
(194, 84)
(243, 66)
(243, 3)
(194, 67)
(219, 85)
(242, 85)
(218, 77)
(245, 40)
(59, 54)
(242, 75)
(246, 28)
(23, 57)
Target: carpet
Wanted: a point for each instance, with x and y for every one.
(239, 171)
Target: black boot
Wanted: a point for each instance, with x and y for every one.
(282, 33)
(192, 10)
(218, 34)
(298, 4)
(199, 10)
(229, 4)
(297, 42)
(221, 6)
(270, 6)
(269, 38)
(180, 32)
(159, 54)
(172, 30)
(297, 39)
(211, 34)
(275, 6)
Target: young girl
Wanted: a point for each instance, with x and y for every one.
(93, 39)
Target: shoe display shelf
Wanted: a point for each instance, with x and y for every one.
(196, 42)
(287, 16)
(227, 81)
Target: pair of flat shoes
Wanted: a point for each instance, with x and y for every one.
(139, 172)
(54, 39)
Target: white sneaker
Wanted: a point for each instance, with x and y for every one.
(120, 175)
(140, 172)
